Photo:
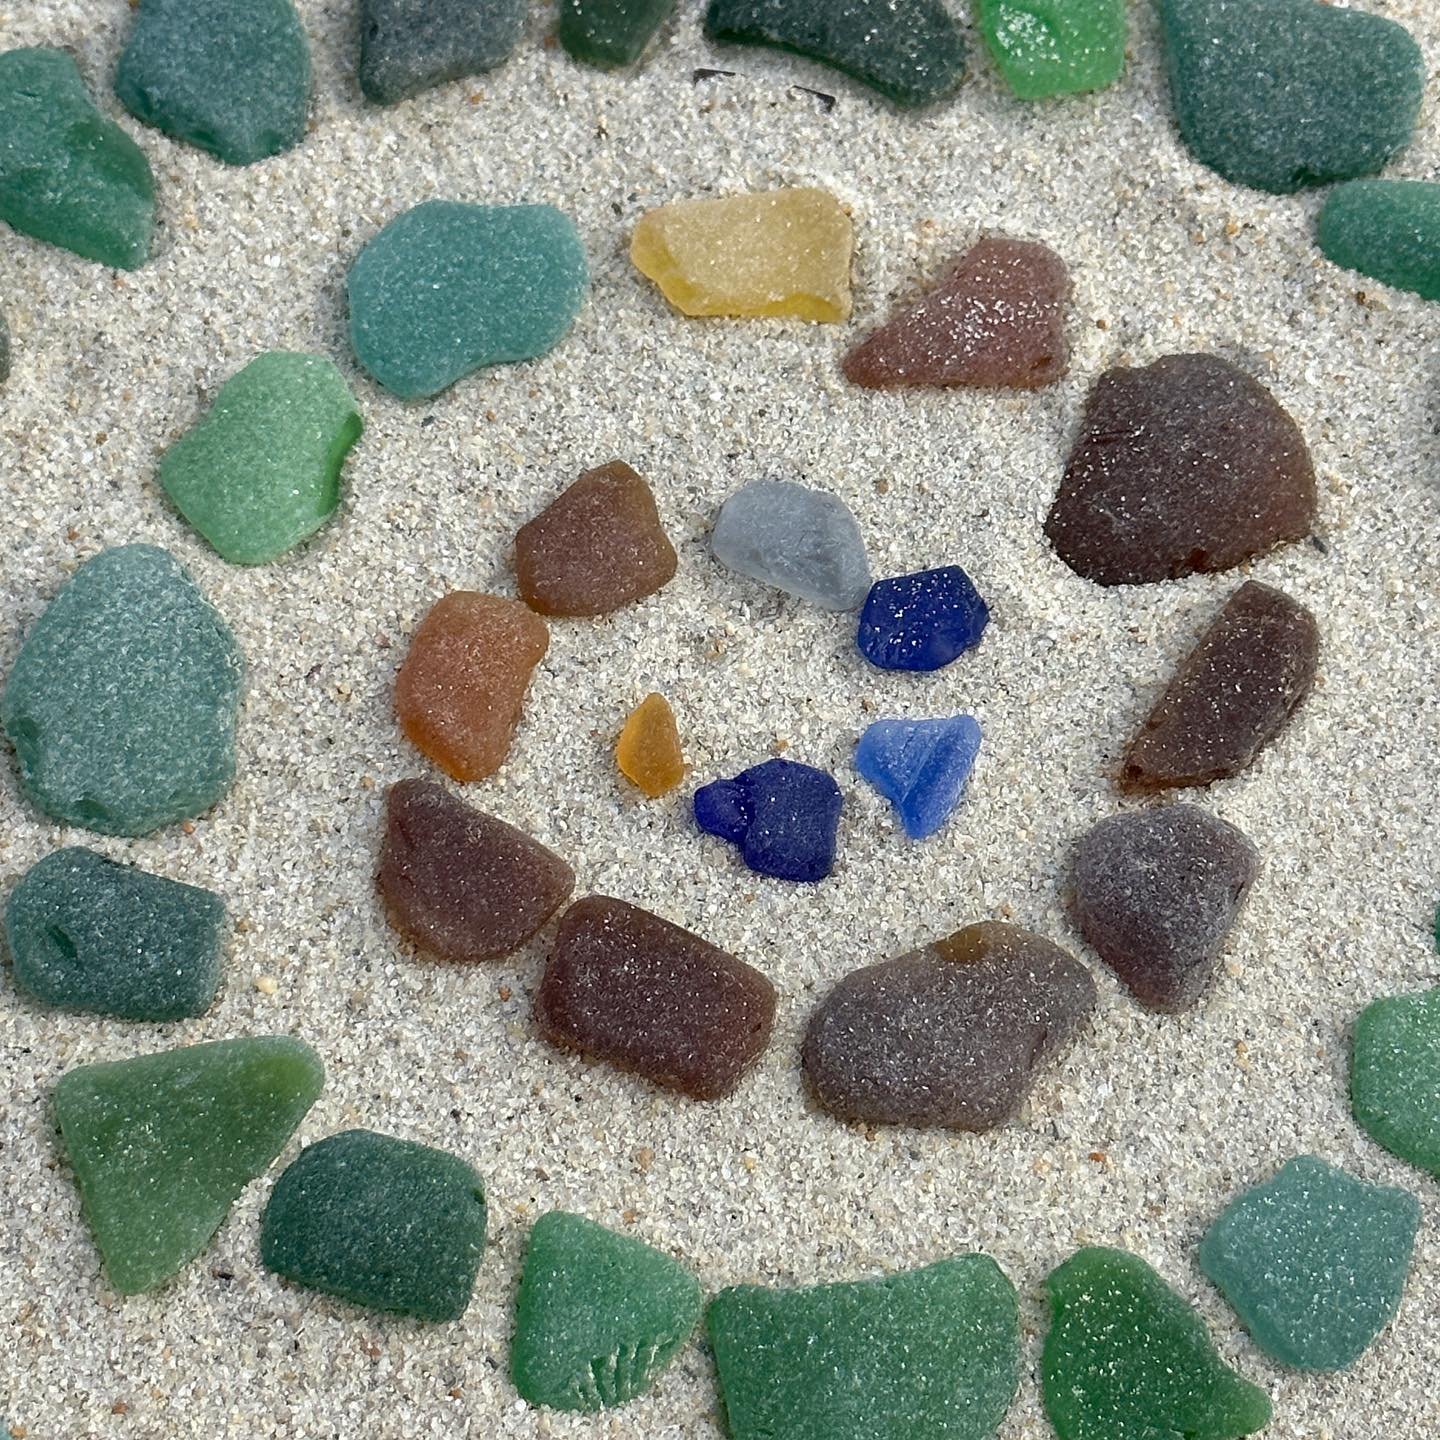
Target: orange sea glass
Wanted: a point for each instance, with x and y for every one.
(648, 751)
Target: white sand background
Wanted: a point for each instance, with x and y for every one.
(1148, 1127)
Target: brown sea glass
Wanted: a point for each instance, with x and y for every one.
(1157, 893)
(1231, 696)
(596, 547)
(459, 884)
(648, 750)
(950, 1035)
(1186, 465)
(623, 985)
(996, 319)
(461, 690)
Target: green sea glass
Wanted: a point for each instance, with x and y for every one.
(122, 703)
(4, 348)
(911, 51)
(931, 1354)
(229, 76)
(162, 1145)
(1314, 1262)
(599, 1317)
(68, 175)
(1386, 229)
(610, 33)
(261, 470)
(380, 1222)
(88, 934)
(1127, 1359)
(1280, 94)
(1395, 1077)
(1055, 47)
(447, 288)
(407, 46)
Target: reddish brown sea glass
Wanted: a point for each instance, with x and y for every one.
(1156, 893)
(997, 319)
(623, 985)
(1231, 696)
(460, 692)
(462, 885)
(597, 547)
(950, 1035)
(1186, 465)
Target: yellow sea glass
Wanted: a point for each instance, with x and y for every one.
(648, 751)
(775, 252)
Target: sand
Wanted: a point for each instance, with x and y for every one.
(1149, 1125)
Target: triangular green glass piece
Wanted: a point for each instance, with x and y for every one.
(161, 1145)
(600, 1315)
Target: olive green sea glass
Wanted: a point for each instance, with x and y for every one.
(261, 470)
(1386, 229)
(599, 1317)
(1281, 94)
(446, 288)
(88, 934)
(610, 33)
(911, 51)
(229, 76)
(68, 175)
(1314, 1262)
(386, 1223)
(1055, 47)
(122, 703)
(931, 1354)
(162, 1145)
(1127, 1359)
(1395, 1077)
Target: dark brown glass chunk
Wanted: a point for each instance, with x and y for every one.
(597, 547)
(1186, 465)
(462, 885)
(1156, 893)
(1231, 696)
(949, 1035)
(623, 985)
(997, 319)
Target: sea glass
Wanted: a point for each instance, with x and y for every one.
(1386, 229)
(407, 46)
(627, 987)
(1395, 1077)
(261, 470)
(774, 252)
(1231, 696)
(996, 320)
(912, 51)
(88, 934)
(921, 621)
(459, 884)
(447, 288)
(1127, 1359)
(648, 751)
(783, 816)
(950, 1035)
(596, 547)
(68, 175)
(161, 1145)
(123, 701)
(1187, 465)
(610, 33)
(1055, 47)
(384, 1223)
(460, 693)
(1157, 893)
(930, 1354)
(1314, 1262)
(921, 766)
(599, 1315)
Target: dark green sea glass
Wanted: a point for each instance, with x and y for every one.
(1395, 1077)
(610, 33)
(1386, 229)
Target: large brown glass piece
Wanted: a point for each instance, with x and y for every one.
(459, 884)
(1231, 695)
(949, 1035)
(460, 693)
(596, 547)
(1156, 893)
(996, 320)
(1185, 466)
(623, 985)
